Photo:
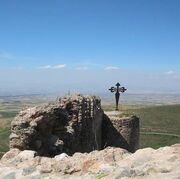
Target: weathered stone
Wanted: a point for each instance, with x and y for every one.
(10, 154)
(72, 124)
(13, 136)
(26, 155)
(10, 176)
(28, 170)
(61, 156)
(120, 131)
(46, 165)
(35, 177)
(163, 163)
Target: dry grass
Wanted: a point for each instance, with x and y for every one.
(4, 122)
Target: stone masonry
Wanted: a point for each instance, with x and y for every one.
(72, 124)
(121, 132)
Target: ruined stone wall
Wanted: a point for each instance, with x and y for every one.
(72, 124)
(121, 132)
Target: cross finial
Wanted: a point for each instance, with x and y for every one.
(118, 84)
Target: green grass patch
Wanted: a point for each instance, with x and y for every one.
(156, 141)
(4, 140)
(8, 114)
(157, 120)
(102, 175)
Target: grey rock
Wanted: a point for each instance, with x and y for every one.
(110, 163)
(28, 170)
(10, 155)
(10, 176)
(61, 156)
(35, 177)
(26, 155)
(13, 136)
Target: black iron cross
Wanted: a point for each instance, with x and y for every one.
(118, 90)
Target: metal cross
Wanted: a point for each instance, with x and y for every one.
(118, 90)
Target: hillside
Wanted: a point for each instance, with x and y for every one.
(160, 125)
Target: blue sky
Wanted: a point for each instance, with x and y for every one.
(61, 44)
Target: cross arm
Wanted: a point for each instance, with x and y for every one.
(112, 89)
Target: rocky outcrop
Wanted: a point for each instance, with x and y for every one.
(71, 124)
(110, 163)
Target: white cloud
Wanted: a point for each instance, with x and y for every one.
(82, 68)
(45, 67)
(59, 66)
(111, 68)
(171, 72)
(53, 66)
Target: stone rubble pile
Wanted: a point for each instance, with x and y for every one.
(110, 163)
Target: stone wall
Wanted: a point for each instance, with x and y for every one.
(121, 132)
(72, 124)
